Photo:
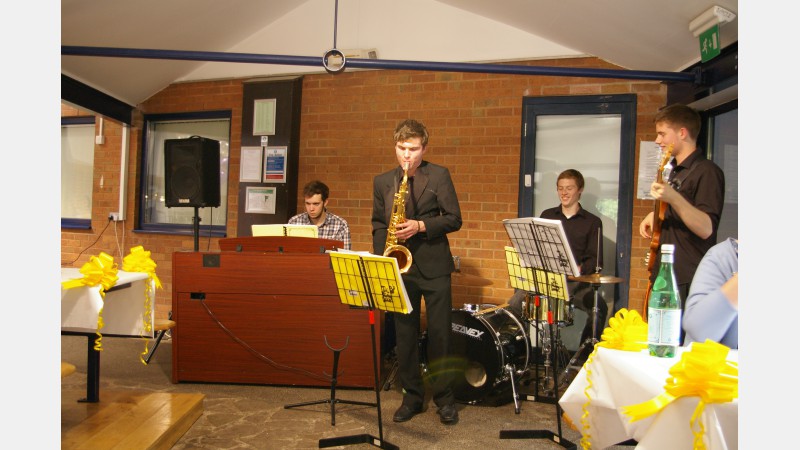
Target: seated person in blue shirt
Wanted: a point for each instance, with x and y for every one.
(712, 308)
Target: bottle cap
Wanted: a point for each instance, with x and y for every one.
(667, 248)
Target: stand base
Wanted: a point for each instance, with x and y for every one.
(537, 434)
(357, 439)
(333, 404)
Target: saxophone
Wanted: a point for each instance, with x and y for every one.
(394, 248)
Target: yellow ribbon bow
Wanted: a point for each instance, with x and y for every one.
(138, 260)
(704, 372)
(626, 331)
(102, 270)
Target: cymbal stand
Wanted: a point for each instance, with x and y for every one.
(582, 354)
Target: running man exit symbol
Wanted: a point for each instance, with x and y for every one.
(709, 44)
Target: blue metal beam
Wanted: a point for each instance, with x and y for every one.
(312, 61)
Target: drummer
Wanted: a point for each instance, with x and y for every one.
(584, 233)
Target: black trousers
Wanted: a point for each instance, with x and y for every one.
(438, 310)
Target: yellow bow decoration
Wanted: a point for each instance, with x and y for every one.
(626, 331)
(704, 372)
(102, 270)
(138, 260)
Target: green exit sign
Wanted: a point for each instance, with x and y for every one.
(709, 44)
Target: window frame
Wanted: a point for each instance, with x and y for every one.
(72, 222)
(213, 230)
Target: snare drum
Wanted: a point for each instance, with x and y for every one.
(485, 341)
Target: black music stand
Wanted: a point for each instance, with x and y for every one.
(538, 285)
(334, 379)
(368, 281)
(542, 244)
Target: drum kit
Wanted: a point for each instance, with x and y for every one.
(497, 352)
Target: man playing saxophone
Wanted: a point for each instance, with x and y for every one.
(431, 212)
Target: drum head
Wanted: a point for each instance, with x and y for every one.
(476, 359)
(483, 343)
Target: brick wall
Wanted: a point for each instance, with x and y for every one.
(345, 140)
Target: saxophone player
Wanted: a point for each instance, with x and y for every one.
(431, 212)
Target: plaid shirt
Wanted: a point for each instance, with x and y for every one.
(334, 227)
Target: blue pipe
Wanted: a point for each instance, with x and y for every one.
(313, 61)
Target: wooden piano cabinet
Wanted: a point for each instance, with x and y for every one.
(262, 318)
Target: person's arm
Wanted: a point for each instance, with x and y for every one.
(646, 226)
(696, 220)
(344, 235)
(449, 218)
(594, 255)
(713, 302)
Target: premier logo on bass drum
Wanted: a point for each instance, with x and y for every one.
(471, 332)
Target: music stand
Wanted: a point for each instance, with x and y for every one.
(334, 380)
(537, 283)
(542, 244)
(369, 281)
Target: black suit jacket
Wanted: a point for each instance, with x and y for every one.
(436, 205)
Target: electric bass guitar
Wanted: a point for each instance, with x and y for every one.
(662, 176)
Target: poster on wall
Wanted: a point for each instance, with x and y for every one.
(649, 160)
(250, 169)
(260, 200)
(274, 165)
(264, 117)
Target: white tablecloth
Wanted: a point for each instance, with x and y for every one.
(621, 378)
(123, 308)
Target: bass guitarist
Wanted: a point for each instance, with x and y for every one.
(693, 194)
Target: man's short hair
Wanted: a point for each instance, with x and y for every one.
(411, 128)
(572, 174)
(680, 116)
(315, 187)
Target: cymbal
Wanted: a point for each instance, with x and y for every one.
(596, 278)
(470, 280)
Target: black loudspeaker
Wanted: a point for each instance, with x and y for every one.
(192, 172)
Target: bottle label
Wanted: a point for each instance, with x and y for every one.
(663, 326)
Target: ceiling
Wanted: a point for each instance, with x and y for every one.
(642, 35)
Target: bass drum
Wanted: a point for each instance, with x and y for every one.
(485, 340)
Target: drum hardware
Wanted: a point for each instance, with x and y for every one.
(395, 364)
(582, 354)
(541, 311)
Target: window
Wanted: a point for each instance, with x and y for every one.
(155, 216)
(724, 147)
(77, 169)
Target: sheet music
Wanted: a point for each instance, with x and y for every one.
(542, 244)
(551, 284)
(276, 229)
(361, 276)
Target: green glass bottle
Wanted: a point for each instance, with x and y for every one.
(664, 309)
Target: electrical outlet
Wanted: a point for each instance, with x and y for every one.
(113, 216)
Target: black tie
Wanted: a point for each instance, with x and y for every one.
(411, 201)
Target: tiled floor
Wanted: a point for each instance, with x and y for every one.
(256, 417)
